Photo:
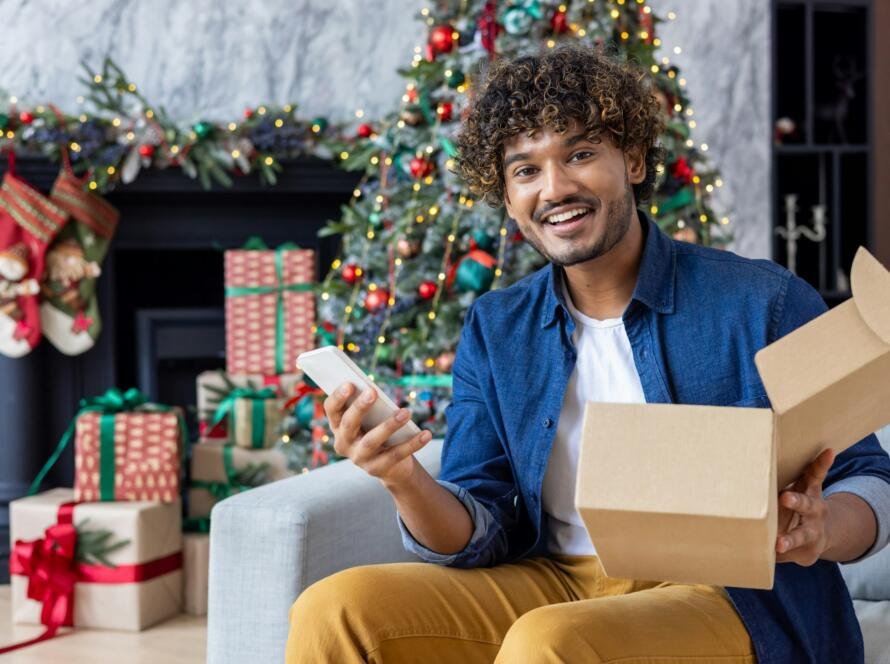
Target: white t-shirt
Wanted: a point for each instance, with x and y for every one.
(604, 371)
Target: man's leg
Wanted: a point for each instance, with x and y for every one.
(418, 612)
(665, 623)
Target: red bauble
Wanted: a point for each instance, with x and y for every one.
(682, 171)
(350, 273)
(420, 167)
(427, 290)
(248, 113)
(444, 111)
(364, 130)
(559, 23)
(442, 38)
(146, 151)
(489, 27)
(26, 118)
(376, 299)
(412, 95)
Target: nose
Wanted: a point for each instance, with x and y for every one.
(557, 184)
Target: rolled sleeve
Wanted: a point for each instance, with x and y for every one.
(483, 523)
(876, 492)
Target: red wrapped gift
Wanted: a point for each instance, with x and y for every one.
(270, 308)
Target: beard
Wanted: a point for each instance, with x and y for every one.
(619, 215)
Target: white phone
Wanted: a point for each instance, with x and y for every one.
(330, 367)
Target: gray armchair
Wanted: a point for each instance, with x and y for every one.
(268, 544)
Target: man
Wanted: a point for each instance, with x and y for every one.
(567, 141)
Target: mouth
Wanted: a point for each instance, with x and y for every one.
(567, 222)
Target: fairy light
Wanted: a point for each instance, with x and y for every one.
(381, 339)
(696, 179)
(724, 220)
(375, 160)
(704, 147)
(428, 179)
(130, 136)
(325, 296)
(268, 161)
(416, 186)
(359, 113)
(582, 32)
(79, 99)
(388, 161)
(431, 315)
(434, 211)
(625, 35)
(97, 79)
(116, 122)
(615, 13)
(677, 50)
(370, 235)
(718, 182)
(653, 209)
(665, 60)
(709, 188)
(347, 309)
(279, 123)
(131, 87)
(110, 170)
(654, 69)
(551, 43)
(678, 108)
(174, 149)
(288, 108)
(690, 112)
(425, 11)
(149, 114)
(419, 219)
(692, 124)
(93, 185)
(356, 193)
(285, 438)
(690, 143)
(441, 276)
(672, 16)
(656, 42)
(344, 155)
(232, 126)
(82, 118)
(335, 265)
(316, 128)
(647, 9)
(400, 124)
(74, 147)
(503, 232)
(672, 74)
(451, 238)
(703, 218)
(644, 34)
(659, 168)
(261, 110)
(236, 153)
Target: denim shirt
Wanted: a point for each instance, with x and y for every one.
(695, 320)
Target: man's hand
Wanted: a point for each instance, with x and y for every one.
(804, 532)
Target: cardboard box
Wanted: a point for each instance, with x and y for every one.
(154, 533)
(689, 493)
(195, 568)
(209, 465)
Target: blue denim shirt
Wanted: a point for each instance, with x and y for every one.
(696, 318)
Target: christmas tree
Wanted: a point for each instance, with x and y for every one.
(417, 249)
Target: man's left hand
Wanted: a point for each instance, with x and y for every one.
(803, 515)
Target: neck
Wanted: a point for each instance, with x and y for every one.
(601, 288)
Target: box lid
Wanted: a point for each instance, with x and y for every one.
(870, 283)
(677, 459)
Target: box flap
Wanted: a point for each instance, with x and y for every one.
(677, 459)
(870, 282)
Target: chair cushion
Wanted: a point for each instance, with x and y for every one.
(874, 618)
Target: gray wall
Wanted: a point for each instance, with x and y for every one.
(211, 58)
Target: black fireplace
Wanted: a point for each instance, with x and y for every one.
(161, 302)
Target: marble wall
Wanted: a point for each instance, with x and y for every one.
(211, 58)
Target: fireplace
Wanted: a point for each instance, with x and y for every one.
(161, 302)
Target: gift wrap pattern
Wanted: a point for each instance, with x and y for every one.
(146, 456)
(269, 318)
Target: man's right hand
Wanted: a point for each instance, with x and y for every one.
(391, 465)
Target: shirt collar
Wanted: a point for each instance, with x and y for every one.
(655, 281)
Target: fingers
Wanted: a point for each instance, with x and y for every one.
(817, 471)
(394, 455)
(374, 439)
(351, 423)
(335, 404)
(803, 504)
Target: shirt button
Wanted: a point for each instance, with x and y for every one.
(547, 423)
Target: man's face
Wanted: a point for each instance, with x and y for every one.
(572, 198)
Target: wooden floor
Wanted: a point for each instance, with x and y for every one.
(181, 640)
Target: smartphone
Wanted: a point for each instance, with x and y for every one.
(330, 367)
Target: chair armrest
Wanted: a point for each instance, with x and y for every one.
(270, 543)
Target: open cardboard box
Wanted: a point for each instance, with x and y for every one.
(689, 493)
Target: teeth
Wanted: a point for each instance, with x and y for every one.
(565, 216)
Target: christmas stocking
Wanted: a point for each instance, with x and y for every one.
(69, 313)
(28, 223)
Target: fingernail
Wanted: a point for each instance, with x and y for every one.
(368, 396)
(426, 435)
(344, 389)
(402, 415)
(792, 500)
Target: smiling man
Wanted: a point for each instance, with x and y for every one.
(567, 142)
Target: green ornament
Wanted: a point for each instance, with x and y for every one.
(474, 276)
(4, 121)
(455, 79)
(483, 240)
(203, 129)
(304, 411)
(321, 123)
(517, 21)
(385, 353)
(375, 219)
(358, 312)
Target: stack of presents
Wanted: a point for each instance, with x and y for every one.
(128, 545)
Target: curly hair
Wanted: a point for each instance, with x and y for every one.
(571, 83)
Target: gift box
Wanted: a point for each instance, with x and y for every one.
(195, 568)
(270, 308)
(220, 470)
(245, 410)
(131, 580)
(127, 456)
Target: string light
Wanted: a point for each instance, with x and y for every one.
(110, 170)
(116, 122)
(74, 147)
(344, 155)
(268, 161)
(709, 188)
(359, 113)
(677, 50)
(13, 100)
(232, 126)
(97, 79)
(704, 147)
(261, 110)
(279, 123)
(703, 218)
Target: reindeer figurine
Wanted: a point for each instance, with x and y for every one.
(846, 75)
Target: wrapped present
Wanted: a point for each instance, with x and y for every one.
(101, 565)
(270, 307)
(244, 410)
(220, 470)
(195, 568)
(125, 449)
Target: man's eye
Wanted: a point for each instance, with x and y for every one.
(523, 171)
(583, 154)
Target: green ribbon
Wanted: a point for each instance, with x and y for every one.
(422, 380)
(234, 483)
(257, 244)
(113, 402)
(258, 412)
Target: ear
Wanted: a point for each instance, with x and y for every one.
(508, 205)
(635, 163)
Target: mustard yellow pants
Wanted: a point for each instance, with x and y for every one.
(560, 609)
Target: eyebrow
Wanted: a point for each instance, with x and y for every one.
(521, 156)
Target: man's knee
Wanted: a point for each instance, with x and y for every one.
(542, 635)
(346, 594)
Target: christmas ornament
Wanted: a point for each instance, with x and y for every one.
(375, 219)
(647, 24)
(489, 27)
(681, 170)
(445, 361)
(351, 273)
(420, 167)
(444, 110)
(203, 129)
(319, 122)
(304, 411)
(146, 151)
(4, 121)
(481, 240)
(442, 39)
(558, 22)
(475, 272)
(455, 79)
(248, 113)
(327, 334)
(375, 299)
(364, 130)
(412, 95)
(26, 118)
(427, 289)
(407, 248)
(411, 116)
